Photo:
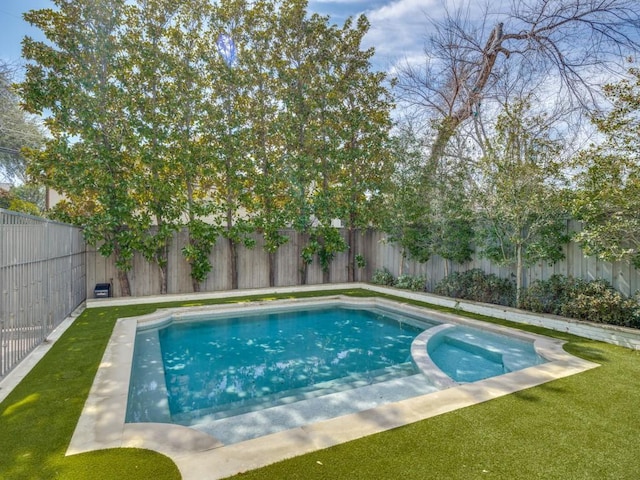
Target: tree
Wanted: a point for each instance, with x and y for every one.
(324, 239)
(165, 114)
(522, 215)
(572, 41)
(363, 122)
(78, 77)
(429, 211)
(17, 130)
(265, 145)
(607, 200)
(225, 129)
(301, 42)
(14, 199)
(334, 126)
(406, 216)
(156, 115)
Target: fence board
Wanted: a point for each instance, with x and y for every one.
(378, 252)
(46, 271)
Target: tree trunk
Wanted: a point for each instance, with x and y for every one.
(161, 257)
(303, 270)
(326, 269)
(123, 280)
(451, 122)
(351, 252)
(272, 269)
(519, 271)
(164, 273)
(233, 258)
(446, 130)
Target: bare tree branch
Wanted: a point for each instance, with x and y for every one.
(576, 41)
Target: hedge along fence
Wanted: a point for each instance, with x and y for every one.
(253, 271)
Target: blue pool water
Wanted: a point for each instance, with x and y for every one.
(189, 371)
(230, 366)
(468, 355)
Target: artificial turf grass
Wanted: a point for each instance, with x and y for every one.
(38, 417)
(586, 426)
(504, 438)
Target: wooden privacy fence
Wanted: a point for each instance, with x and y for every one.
(42, 280)
(253, 269)
(46, 270)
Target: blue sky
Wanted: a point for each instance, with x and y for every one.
(398, 27)
(13, 28)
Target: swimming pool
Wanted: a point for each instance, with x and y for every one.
(228, 366)
(227, 446)
(199, 370)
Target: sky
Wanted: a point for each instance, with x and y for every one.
(398, 27)
(13, 28)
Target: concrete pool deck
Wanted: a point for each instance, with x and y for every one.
(199, 455)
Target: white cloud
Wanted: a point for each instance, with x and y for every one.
(402, 10)
(339, 1)
(399, 29)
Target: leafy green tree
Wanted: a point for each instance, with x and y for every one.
(405, 216)
(265, 145)
(32, 194)
(430, 213)
(77, 76)
(156, 114)
(453, 225)
(331, 126)
(226, 133)
(607, 200)
(325, 240)
(335, 127)
(521, 209)
(300, 43)
(155, 126)
(190, 51)
(362, 124)
(14, 200)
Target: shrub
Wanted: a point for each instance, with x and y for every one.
(478, 286)
(597, 301)
(409, 282)
(549, 296)
(383, 277)
(594, 301)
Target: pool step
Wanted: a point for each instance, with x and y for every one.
(299, 394)
(150, 403)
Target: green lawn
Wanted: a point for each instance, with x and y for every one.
(583, 427)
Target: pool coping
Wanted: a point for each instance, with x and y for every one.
(198, 455)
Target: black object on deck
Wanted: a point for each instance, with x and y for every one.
(102, 290)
